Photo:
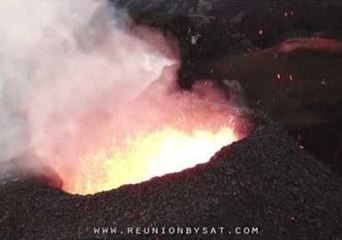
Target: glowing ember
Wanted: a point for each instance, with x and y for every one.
(145, 156)
(291, 77)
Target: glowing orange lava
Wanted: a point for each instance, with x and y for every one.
(147, 155)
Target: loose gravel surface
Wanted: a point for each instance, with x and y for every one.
(264, 181)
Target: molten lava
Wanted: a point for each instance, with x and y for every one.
(86, 93)
(145, 156)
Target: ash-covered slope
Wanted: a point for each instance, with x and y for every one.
(265, 180)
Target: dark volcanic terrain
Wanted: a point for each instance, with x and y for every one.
(237, 40)
(274, 179)
(265, 180)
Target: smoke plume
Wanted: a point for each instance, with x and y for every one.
(78, 74)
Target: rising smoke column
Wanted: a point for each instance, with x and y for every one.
(78, 79)
(60, 60)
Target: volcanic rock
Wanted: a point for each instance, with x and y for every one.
(265, 180)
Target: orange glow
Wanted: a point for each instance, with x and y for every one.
(147, 155)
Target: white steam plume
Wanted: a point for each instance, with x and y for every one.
(76, 76)
(60, 60)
